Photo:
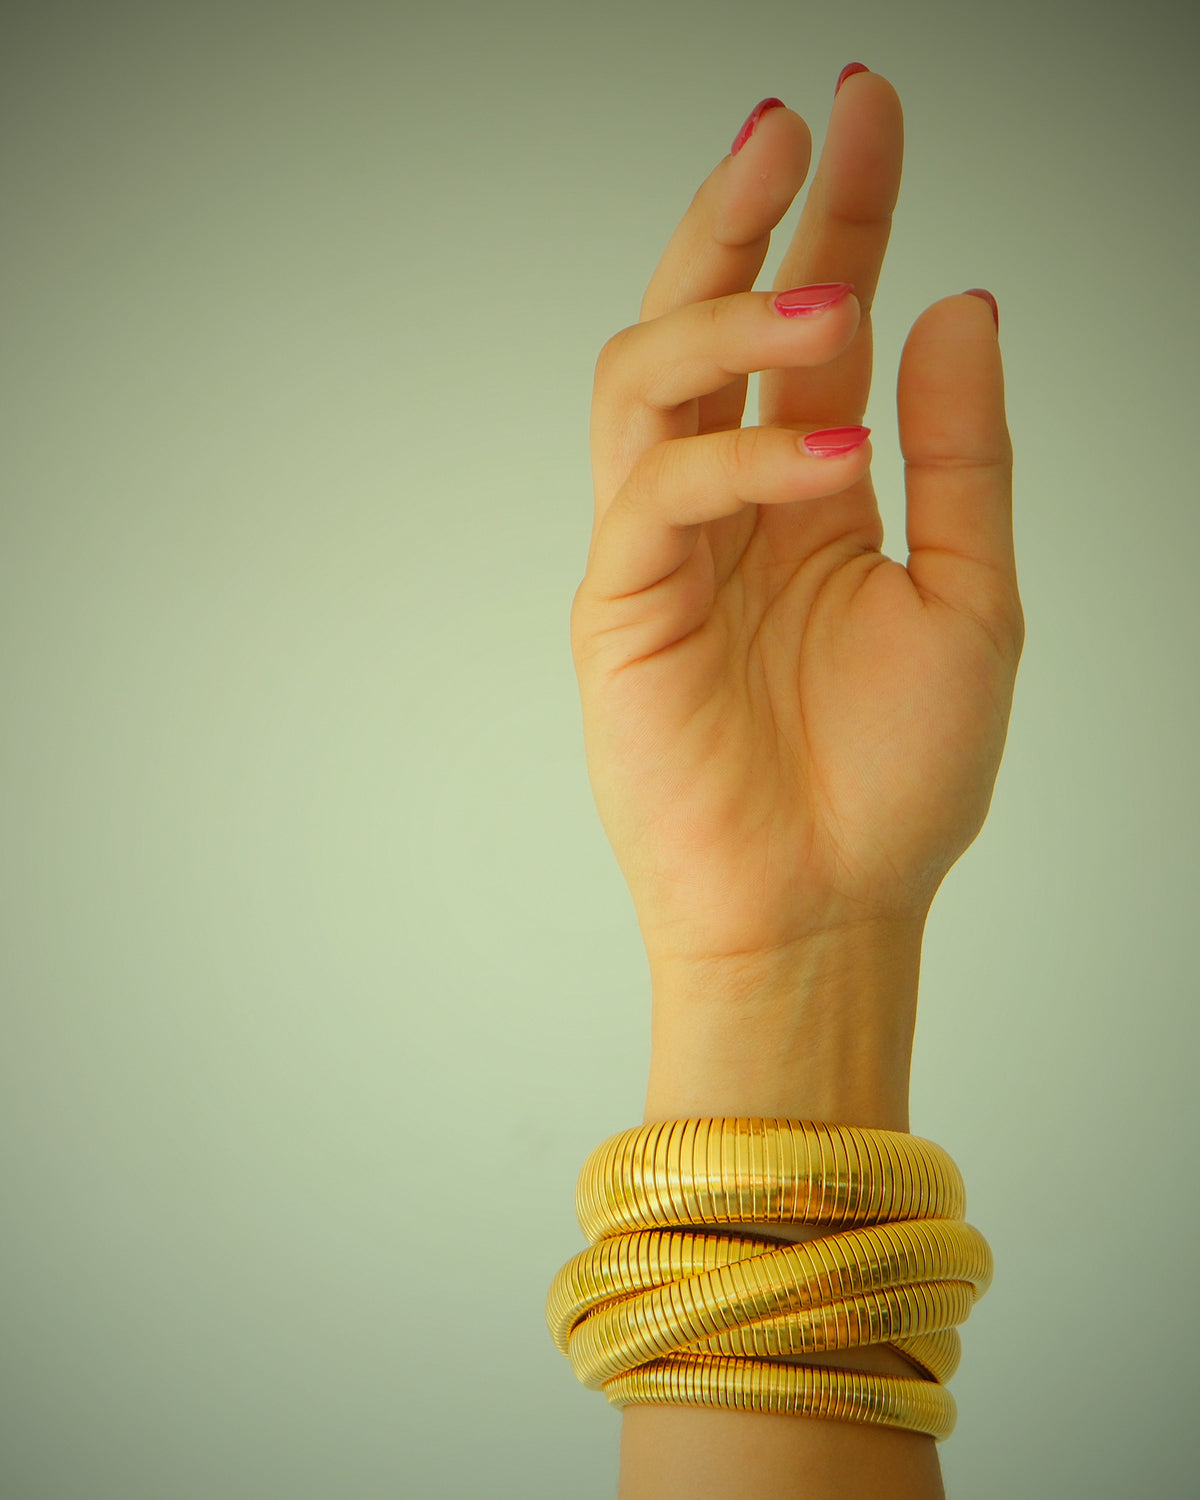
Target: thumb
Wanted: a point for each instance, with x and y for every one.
(958, 465)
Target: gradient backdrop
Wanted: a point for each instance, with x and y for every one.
(318, 980)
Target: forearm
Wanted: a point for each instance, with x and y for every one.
(823, 1032)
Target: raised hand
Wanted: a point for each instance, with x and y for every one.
(789, 734)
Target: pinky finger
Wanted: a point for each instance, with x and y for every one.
(653, 524)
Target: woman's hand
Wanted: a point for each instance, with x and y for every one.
(788, 734)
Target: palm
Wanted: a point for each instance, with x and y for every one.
(818, 752)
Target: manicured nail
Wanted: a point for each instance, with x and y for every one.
(811, 299)
(978, 291)
(752, 120)
(832, 442)
(848, 72)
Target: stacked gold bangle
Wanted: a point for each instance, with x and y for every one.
(670, 1315)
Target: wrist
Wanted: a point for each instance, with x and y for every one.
(819, 1029)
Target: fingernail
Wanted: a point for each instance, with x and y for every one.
(811, 299)
(978, 291)
(751, 123)
(831, 442)
(848, 72)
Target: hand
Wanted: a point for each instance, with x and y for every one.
(789, 734)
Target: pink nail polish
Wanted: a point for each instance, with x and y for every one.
(832, 442)
(811, 299)
(978, 291)
(751, 123)
(848, 72)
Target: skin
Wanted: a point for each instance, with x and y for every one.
(787, 731)
(790, 736)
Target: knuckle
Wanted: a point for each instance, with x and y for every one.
(722, 310)
(580, 610)
(659, 468)
(612, 353)
(652, 472)
(1015, 624)
(742, 452)
(1000, 615)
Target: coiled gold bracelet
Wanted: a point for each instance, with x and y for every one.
(653, 1313)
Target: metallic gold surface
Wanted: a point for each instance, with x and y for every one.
(695, 1179)
(671, 1289)
(671, 1313)
(791, 1390)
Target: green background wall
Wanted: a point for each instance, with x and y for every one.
(318, 980)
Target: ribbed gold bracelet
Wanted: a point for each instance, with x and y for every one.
(654, 1315)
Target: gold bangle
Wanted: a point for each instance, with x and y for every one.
(724, 1171)
(651, 1316)
(627, 1264)
(789, 1390)
(862, 1287)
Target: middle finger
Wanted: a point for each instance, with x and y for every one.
(842, 235)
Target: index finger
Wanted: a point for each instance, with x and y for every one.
(722, 240)
(720, 244)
